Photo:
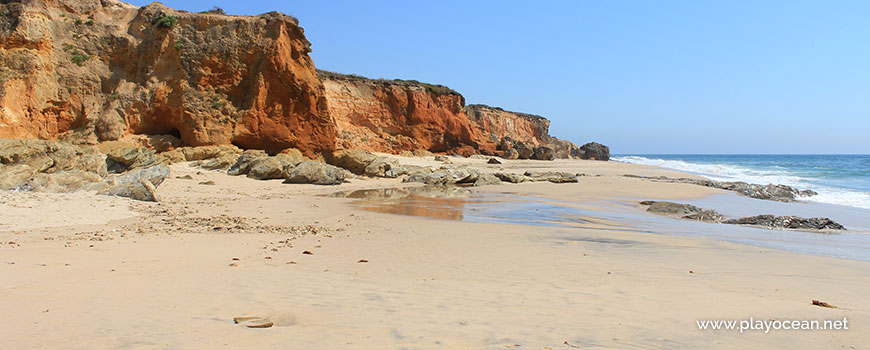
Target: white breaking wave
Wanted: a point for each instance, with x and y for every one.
(728, 172)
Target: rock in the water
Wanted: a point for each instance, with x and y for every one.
(552, 176)
(353, 160)
(787, 222)
(686, 211)
(493, 161)
(512, 177)
(444, 176)
(544, 153)
(594, 151)
(773, 192)
(131, 184)
(312, 172)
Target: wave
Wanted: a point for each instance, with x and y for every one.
(772, 174)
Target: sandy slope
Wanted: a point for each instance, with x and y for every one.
(145, 276)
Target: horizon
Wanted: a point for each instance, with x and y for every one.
(718, 78)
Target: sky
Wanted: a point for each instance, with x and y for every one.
(643, 77)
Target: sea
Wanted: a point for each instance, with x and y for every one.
(839, 179)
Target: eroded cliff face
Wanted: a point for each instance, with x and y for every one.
(96, 70)
(394, 116)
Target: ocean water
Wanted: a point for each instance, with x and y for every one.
(839, 179)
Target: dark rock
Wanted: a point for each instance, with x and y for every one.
(780, 193)
(594, 151)
(787, 222)
(686, 211)
(312, 172)
(493, 161)
(442, 158)
(544, 153)
(275, 167)
(511, 154)
(244, 162)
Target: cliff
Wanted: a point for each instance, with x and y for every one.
(93, 71)
(399, 115)
(97, 70)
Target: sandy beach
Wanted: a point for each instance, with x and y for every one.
(85, 271)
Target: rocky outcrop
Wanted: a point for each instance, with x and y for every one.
(685, 211)
(97, 70)
(22, 160)
(593, 151)
(691, 212)
(311, 172)
(781, 193)
(787, 222)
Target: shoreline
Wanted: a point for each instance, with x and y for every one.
(165, 280)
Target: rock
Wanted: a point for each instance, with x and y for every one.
(51, 156)
(384, 167)
(487, 179)
(243, 164)
(219, 163)
(444, 176)
(353, 160)
(511, 154)
(157, 143)
(128, 158)
(523, 150)
(544, 153)
(185, 177)
(14, 176)
(493, 161)
(276, 167)
(422, 153)
(442, 158)
(787, 222)
(512, 177)
(552, 176)
(686, 211)
(594, 151)
(780, 193)
(131, 184)
(312, 172)
(209, 182)
(64, 182)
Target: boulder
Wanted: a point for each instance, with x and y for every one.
(244, 162)
(353, 160)
(14, 176)
(552, 176)
(444, 176)
(593, 151)
(511, 154)
(524, 151)
(493, 161)
(487, 179)
(312, 172)
(64, 182)
(138, 184)
(126, 158)
(442, 158)
(512, 177)
(544, 153)
(384, 167)
(45, 156)
(266, 168)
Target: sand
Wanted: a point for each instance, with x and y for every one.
(95, 272)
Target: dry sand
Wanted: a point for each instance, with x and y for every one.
(95, 272)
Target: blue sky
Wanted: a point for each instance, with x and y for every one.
(639, 76)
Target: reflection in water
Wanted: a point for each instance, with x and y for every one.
(454, 203)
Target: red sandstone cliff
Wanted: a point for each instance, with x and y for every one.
(96, 70)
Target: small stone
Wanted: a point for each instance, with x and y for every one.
(493, 161)
(362, 261)
(209, 182)
(307, 252)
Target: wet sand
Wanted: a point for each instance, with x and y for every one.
(144, 275)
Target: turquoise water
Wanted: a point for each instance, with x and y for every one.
(839, 179)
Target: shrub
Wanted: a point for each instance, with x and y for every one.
(79, 58)
(178, 45)
(216, 11)
(164, 21)
(78, 22)
(90, 22)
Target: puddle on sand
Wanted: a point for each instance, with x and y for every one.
(462, 204)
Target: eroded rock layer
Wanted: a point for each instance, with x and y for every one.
(97, 70)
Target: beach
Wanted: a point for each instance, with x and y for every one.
(84, 271)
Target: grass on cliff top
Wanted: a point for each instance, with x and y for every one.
(438, 90)
(524, 115)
